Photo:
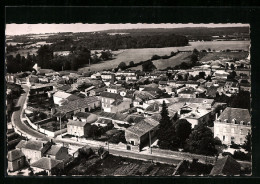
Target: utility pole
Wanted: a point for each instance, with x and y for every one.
(150, 141)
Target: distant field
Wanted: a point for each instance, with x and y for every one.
(24, 52)
(138, 55)
(219, 55)
(171, 62)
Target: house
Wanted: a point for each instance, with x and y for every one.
(108, 76)
(162, 83)
(85, 117)
(245, 87)
(60, 97)
(46, 164)
(187, 92)
(16, 160)
(233, 125)
(226, 166)
(131, 78)
(103, 122)
(81, 105)
(141, 99)
(221, 74)
(199, 102)
(231, 87)
(152, 108)
(33, 149)
(112, 102)
(77, 128)
(115, 89)
(96, 92)
(243, 71)
(212, 91)
(195, 115)
(57, 153)
(139, 134)
(116, 118)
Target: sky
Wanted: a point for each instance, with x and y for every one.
(19, 29)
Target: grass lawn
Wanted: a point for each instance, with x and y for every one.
(53, 125)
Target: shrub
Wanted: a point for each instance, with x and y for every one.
(241, 156)
(227, 153)
(234, 146)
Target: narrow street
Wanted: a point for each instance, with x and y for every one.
(16, 117)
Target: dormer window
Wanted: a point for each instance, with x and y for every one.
(225, 121)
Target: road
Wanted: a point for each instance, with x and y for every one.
(125, 153)
(16, 117)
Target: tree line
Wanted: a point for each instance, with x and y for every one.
(114, 42)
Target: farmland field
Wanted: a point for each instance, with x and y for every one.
(138, 55)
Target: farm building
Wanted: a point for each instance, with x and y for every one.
(139, 134)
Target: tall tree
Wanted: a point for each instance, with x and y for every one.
(201, 141)
(248, 143)
(165, 121)
(183, 130)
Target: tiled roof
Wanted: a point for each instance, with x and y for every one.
(144, 95)
(46, 163)
(97, 90)
(76, 123)
(111, 95)
(195, 100)
(54, 150)
(61, 94)
(31, 144)
(64, 87)
(117, 102)
(189, 90)
(143, 127)
(82, 114)
(104, 121)
(212, 90)
(77, 104)
(14, 154)
(226, 166)
(153, 107)
(235, 113)
(114, 116)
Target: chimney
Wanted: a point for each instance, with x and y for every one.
(216, 116)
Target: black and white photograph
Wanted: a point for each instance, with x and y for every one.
(130, 99)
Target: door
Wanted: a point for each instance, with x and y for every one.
(128, 147)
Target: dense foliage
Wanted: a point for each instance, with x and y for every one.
(201, 141)
(114, 42)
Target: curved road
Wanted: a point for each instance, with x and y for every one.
(16, 117)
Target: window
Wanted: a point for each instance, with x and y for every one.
(232, 130)
(224, 138)
(232, 139)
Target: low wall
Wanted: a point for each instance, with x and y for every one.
(185, 155)
(44, 131)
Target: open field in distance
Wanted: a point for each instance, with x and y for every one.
(138, 55)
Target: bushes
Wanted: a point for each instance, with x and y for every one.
(241, 156)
